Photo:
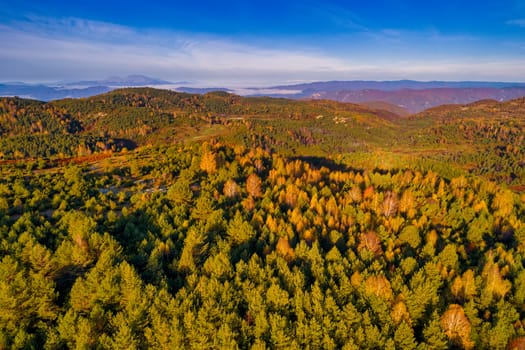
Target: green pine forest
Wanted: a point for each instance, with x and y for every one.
(146, 218)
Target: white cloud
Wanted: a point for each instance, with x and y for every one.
(91, 46)
(70, 49)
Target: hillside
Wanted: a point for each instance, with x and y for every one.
(143, 116)
(385, 106)
(212, 246)
(483, 138)
(148, 218)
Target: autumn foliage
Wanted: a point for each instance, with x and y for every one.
(457, 326)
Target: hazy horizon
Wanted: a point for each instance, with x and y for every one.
(218, 84)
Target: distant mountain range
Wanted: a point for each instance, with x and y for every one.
(78, 89)
(393, 85)
(47, 93)
(402, 96)
(196, 90)
(418, 100)
(412, 96)
(130, 80)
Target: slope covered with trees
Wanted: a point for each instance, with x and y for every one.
(485, 138)
(296, 225)
(141, 116)
(220, 247)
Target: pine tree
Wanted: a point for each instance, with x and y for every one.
(279, 334)
(404, 337)
(239, 231)
(124, 337)
(503, 330)
(433, 336)
(410, 235)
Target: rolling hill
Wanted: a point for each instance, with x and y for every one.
(149, 218)
(484, 138)
(413, 96)
(146, 115)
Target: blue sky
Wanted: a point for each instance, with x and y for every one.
(263, 42)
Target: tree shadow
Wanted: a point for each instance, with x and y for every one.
(319, 162)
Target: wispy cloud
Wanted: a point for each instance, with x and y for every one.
(96, 46)
(339, 15)
(73, 26)
(520, 22)
(72, 48)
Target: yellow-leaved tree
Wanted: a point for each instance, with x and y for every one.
(456, 326)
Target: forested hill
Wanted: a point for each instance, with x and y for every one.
(145, 116)
(484, 138)
(209, 246)
(146, 219)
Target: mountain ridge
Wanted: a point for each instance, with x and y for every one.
(129, 80)
(412, 95)
(418, 100)
(389, 85)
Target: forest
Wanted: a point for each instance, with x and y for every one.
(144, 219)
